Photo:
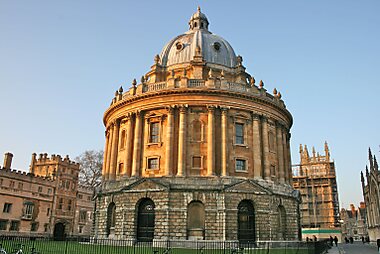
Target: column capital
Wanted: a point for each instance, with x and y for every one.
(170, 109)
(224, 110)
(183, 108)
(211, 108)
(255, 116)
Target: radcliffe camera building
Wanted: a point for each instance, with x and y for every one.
(197, 150)
(370, 187)
(315, 178)
(46, 201)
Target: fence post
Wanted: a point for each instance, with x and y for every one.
(66, 247)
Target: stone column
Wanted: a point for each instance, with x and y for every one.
(182, 141)
(265, 150)
(105, 154)
(224, 141)
(137, 145)
(257, 165)
(109, 150)
(169, 142)
(128, 147)
(115, 142)
(290, 173)
(210, 142)
(280, 154)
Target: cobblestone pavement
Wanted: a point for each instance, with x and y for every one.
(358, 248)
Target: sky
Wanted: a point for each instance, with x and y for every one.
(61, 62)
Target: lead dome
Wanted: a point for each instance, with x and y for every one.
(213, 48)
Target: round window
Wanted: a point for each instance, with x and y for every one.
(179, 46)
(217, 46)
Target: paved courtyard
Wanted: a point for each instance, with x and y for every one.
(357, 248)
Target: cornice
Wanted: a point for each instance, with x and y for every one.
(144, 96)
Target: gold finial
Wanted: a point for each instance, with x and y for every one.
(199, 8)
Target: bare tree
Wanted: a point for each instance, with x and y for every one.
(90, 173)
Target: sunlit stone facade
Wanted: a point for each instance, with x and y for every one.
(197, 150)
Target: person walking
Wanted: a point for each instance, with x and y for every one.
(363, 241)
(336, 241)
(378, 244)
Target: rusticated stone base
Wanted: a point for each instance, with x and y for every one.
(220, 197)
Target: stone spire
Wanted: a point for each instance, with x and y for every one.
(370, 159)
(376, 166)
(327, 151)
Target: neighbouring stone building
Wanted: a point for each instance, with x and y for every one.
(315, 178)
(197, 150)
(45, 201)
(354, 222)
(371, 193)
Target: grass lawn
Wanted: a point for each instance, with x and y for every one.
(62, 247)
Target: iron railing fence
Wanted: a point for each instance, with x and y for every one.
(87, 245)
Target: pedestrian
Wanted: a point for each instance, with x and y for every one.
(346, 239)
(363, 240)
(315, 238)
(331, 241)
(378, 244)
(336, 241)
(351, 240)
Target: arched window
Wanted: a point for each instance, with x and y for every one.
(197, 130)
(111, 218)
(246, 222)
(145, 220)
(195, 221)
(122, 140)
(281, 232)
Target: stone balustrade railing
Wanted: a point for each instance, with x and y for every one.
(199, 83)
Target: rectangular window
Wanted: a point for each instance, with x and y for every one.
(15, 225)
(1, 181)
(80, 229)
(34, 226)
(28, 210)
(82, 216)
(3, 224)
(153, 163)
(121, 166)
(197, 162)
(60, 204)
(7, 208)
(39, 188)
(46, 227)
(11, 184)
(240, 165)
(154, 132)
(20, 186)
(69, 205)
(239, 133)
(49, 191)
(48, 211)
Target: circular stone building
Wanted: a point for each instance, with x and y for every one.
(197, 150)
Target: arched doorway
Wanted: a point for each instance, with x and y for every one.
(246, 222)
(145, 221)
(281, 232)
(195, 221)
(111, 219)
(59, 231)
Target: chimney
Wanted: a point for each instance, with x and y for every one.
(7, 160)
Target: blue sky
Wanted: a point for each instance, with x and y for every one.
(61, 62)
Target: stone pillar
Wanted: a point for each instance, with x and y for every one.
(280, 154)
(114, 152)
(109, 150)
(288, 154)
(224, 141)
(137, 145)
(210, 142)
(285, 156)
(169, 142)
(128, 147)
(257, 155)
(105, 154)
(265, 149)
(182, 141)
